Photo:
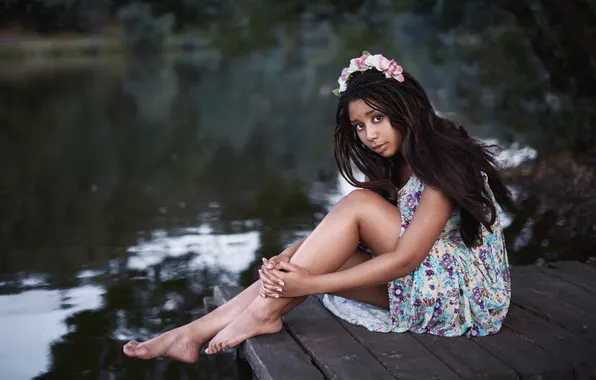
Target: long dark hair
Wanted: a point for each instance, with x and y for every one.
(439, 151)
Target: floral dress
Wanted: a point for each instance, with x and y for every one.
(455, 291)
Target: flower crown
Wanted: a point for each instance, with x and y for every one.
(366, 62)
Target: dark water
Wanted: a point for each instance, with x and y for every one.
(129, 188)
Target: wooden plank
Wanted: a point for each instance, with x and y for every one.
(530, 361)
(401, 354)
(335, 352)
(275, 356)
(209, 304)
(554, 339)
(543, 302)
(579, 274)
(465, 357)
(554, 287)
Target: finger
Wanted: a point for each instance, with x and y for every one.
(269, 287)
(270, 263)
(268, 284)
(272, 289)
(269, 295)
(279, 276)
(265, 261)
(269, 275)
(264, 279)
(287, 266)
(264, 292)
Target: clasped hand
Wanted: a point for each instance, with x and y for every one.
(281, 279)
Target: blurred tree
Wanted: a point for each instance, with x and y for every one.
(50, 16)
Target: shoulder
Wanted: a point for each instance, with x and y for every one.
(428, 199)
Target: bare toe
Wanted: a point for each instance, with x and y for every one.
(175, 344)
(130, 346)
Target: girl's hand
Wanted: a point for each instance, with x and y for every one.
(296, 281)
(272, 262)
(269, 283)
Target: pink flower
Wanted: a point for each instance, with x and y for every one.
(366, 62)
(344, 74)
(384, 63)
(361, 63)
(394, 69)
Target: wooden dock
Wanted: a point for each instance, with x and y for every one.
(549, 333)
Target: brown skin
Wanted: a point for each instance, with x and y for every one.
(374, 129)
(326, 262)
(314, 267)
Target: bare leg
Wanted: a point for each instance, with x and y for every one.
(375, 295)
(362, 215)
(183, 343)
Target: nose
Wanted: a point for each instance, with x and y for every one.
(371, 132)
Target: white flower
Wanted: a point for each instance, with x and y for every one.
(343, 86)
(366, 62)
(373, 60)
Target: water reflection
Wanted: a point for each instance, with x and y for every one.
(124, 205)
(130, 188)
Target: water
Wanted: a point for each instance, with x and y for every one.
(131, 187)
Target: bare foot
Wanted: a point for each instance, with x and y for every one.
(247, 325)
(176, 344)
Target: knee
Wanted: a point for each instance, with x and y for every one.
(362, 197)
(359, 199)
(363, 203)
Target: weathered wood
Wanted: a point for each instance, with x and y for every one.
(527, 359)
(336, 353)
(209, 304)
(549, 333)
(579, 274)
(542, 300)
(401, 354)
(554, 287)
(272, 357)
(466, 358)
(554, 339)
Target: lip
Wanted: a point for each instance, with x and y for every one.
(380, 148)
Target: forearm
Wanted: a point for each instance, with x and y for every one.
(378, 270)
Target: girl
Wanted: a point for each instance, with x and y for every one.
(427, 209)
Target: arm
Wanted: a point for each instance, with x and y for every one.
(411, 249)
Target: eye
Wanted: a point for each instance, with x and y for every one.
(359, 127)
(378, 118)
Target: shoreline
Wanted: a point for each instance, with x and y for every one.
(19, 50)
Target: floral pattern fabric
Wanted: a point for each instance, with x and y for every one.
(455, 291)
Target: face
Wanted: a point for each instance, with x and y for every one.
(374, 129)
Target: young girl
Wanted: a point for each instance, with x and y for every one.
(435, 260)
